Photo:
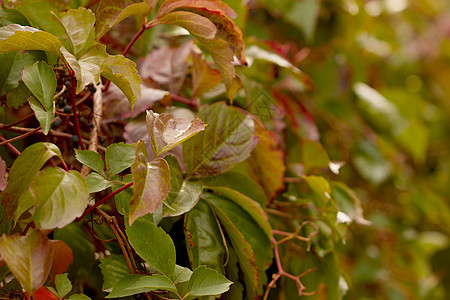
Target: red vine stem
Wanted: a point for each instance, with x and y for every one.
(103, 200)
(74, 109)
(29, 225)
(20, 136)
(10, 146)
(184, 100)
(3, 126)
(281, 272)
(23, 135)
(133, 40)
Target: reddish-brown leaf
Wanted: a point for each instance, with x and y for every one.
(171, 5)
(167, 66)
(192, 22)
(119, 107)
(266, 164)
(165, 131)
(151, 183)
(43, 293)
(62, 258)
(204, 78)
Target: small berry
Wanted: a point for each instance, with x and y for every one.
(91, 124)
(101, 139)
(57, 123)
(68, 84)
(67, 109)
(62, 102)
(82, 119)
(74, 139)
(92, 88)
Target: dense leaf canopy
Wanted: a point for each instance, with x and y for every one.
(232, 149)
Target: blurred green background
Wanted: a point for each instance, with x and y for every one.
(380, 98)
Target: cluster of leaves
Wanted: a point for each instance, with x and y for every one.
(194, 197)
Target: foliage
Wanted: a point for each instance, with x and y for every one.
(260, 149)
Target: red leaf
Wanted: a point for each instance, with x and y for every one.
(62, 258)
(43, 293)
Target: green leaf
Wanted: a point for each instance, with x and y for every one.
(370, 163)
(304, 16)
(194, 23)
(22, 172)
(321, 189)
(204, 240)
(10, 66)
(12, 16)
(241, 220)
(183, 195)
(60, 197)
(45, 117)
(244, 251)
(111, 12)
(87, 66)
(123, 198)
(181, 274)
(96, 183)
(40, 14)
(122, 72)
(166, 131)
(255, 52)
(314, 155)
(153, 244)
(29, 258)
(90, 159)
(119, 157)
(228, 139)
(15, 37)
(79, 27)
(63, 285)
(205, 281)
(233, 273)
(18, 96)
(136, 284)
(240, 182)
(41, 81)
(151, 183)
(114, 267)
(250, 206)
(348, 202)
(79, 297)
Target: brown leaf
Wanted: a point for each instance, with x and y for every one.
(151, 183)
(204, 78)
(29, 258)
(167, 66)
(223, 57)
(3, 175)
(62, 258)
